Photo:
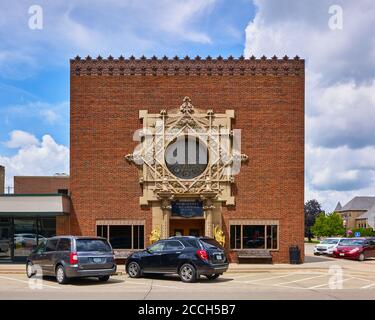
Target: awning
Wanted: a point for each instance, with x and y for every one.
(34, 205)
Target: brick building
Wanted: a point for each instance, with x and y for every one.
(41, 184)
(126, 195)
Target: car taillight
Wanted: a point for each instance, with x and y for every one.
(73, 258)
(202, 254)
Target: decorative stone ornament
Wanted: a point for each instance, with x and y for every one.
(187, 152)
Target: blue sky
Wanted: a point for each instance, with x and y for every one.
(45, 82)
(340, 72)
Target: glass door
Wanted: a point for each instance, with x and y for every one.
(25, 236)
(5, 238)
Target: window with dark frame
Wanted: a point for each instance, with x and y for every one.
(63, 191)
(254, 237)
(122, 236)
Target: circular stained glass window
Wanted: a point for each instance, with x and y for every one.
(186, 157)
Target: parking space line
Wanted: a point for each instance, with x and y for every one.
(368, 286)
(27, 282)
(299, 280)
(269, 278)
(326, 284)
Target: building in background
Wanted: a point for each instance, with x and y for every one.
(356, 212)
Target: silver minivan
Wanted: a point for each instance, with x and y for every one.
(68, 257)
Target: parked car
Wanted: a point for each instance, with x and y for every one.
(355, 248)
(68, 257)
(189, 257)
(327, 246)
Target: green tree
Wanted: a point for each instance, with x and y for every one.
(312, 209)
(328, 225)
(335, 225)
(319, 229)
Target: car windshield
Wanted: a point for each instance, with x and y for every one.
(352, 242)
(330, 241)
(156, 247)
(211, 244)
(89, 245)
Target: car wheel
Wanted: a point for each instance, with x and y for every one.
(134, 270)
(60, 275)
(103, 278)
(361, 257)
(187, 273)
(213, 276)
(30, 272)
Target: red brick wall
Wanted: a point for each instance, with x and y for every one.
(268, 99)
(40, 185)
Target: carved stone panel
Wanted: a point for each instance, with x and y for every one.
(187, 152)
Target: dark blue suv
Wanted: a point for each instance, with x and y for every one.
(189, 257)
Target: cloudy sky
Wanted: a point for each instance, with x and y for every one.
(340, 72)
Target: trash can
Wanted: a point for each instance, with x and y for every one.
(294, 255)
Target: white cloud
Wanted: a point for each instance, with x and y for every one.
(34, 157)
(96, 27)
(340, 89)
(21, 139)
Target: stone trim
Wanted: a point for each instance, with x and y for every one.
(187, 67)
(253, 222)
(120, 222)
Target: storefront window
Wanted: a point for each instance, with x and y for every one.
(253, 236)
(235, 239)
(46, 229)
(272, 237)
(5, 238)
(138, 237)
(25, 236)
(122, 236)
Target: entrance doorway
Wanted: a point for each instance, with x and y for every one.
(186, 227)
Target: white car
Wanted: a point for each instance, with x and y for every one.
(327, 246)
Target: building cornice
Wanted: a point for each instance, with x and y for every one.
(186, 67)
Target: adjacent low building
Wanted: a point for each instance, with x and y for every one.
(39, 206)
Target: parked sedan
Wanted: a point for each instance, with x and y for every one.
(68, 257)
(327, 246)
(189, 257)
(356, 248)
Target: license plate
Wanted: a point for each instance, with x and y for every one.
(219, 256)
(342, 254)
(98, 260)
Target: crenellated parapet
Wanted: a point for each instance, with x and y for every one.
(155, 66)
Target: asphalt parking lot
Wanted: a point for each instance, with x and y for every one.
(318, 278)
(258, 285)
